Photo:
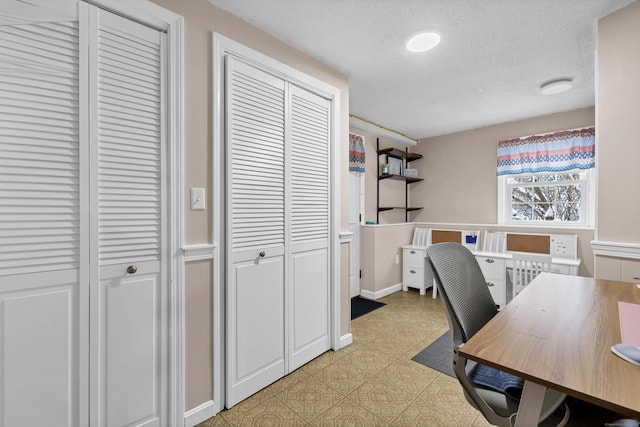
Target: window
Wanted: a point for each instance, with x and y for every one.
(547, 179)
(562, 198)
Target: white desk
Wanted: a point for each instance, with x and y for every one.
(494, 260)
(496, 267)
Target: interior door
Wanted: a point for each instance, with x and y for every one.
(128, 188)
(255, 200)
(43, 269)
(355, 211)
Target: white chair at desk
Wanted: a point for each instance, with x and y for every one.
(526, 266)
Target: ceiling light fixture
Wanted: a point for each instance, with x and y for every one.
(423, 41)
(555, 87)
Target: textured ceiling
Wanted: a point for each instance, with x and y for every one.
(488, 69)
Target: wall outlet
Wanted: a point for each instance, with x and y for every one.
(397, 258)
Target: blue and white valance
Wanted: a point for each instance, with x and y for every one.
(356, 153)
(554, 152)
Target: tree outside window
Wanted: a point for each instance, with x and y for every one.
(549, 197)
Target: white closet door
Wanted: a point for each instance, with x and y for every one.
(43, 278)
(255, 229)
(309, 248)
(129, 297)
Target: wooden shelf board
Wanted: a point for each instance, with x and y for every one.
(408, 179)
(388, 208)
(399, 154)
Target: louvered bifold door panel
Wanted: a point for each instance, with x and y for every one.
(129, 350)
(310, 203)
(309, 167)
(255, 140)
(43, 274)
(129, 141)
(39, 148)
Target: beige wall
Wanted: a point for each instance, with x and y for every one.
(380, 245)
(459, 191)
(618, 112)
(459, 169)
(618, 149)
(199, 333)
(201, 19)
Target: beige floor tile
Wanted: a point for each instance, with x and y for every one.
(382, 399)
(309, 398)
(347, 413)
(342, 376)
(372, 382)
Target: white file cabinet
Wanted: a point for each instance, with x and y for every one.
(415, 271)
(494, 270)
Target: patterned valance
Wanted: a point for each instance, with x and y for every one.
(554, 152)
(356, 153)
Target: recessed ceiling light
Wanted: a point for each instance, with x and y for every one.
(423, 41)
(556, 86)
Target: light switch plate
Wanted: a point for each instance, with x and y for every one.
(197, 199)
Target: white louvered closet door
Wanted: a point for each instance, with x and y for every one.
(278, 201)
(43, 270)
(129, 283)
(82, 342)
(309, 236)
(255, 229)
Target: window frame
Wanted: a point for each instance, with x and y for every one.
(587, 202)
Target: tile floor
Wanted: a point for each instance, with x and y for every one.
(372, 382)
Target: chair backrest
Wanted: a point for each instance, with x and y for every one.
(526, 266)
(468, 302)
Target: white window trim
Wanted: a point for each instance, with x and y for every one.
(504, 205)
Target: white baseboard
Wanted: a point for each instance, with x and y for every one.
(382, 293)
(344, 341)
(199, 414)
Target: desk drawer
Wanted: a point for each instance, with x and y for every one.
(630, 270)
(413, 277)
(492, 267)
(413, 257)
(498, 291)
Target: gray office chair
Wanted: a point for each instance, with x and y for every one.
(469, 306)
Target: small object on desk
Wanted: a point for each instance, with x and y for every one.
(627, 352)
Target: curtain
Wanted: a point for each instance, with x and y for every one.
(356, 153)
(554, 152)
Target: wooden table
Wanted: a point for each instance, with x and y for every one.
(557, 333)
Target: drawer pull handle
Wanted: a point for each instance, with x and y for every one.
(490, 284)
(636, 278)
(262, 254)
(412, 252)
(489, 260)
(412, 271)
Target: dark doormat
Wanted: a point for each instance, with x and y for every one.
(438, 355)
(361, 306)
